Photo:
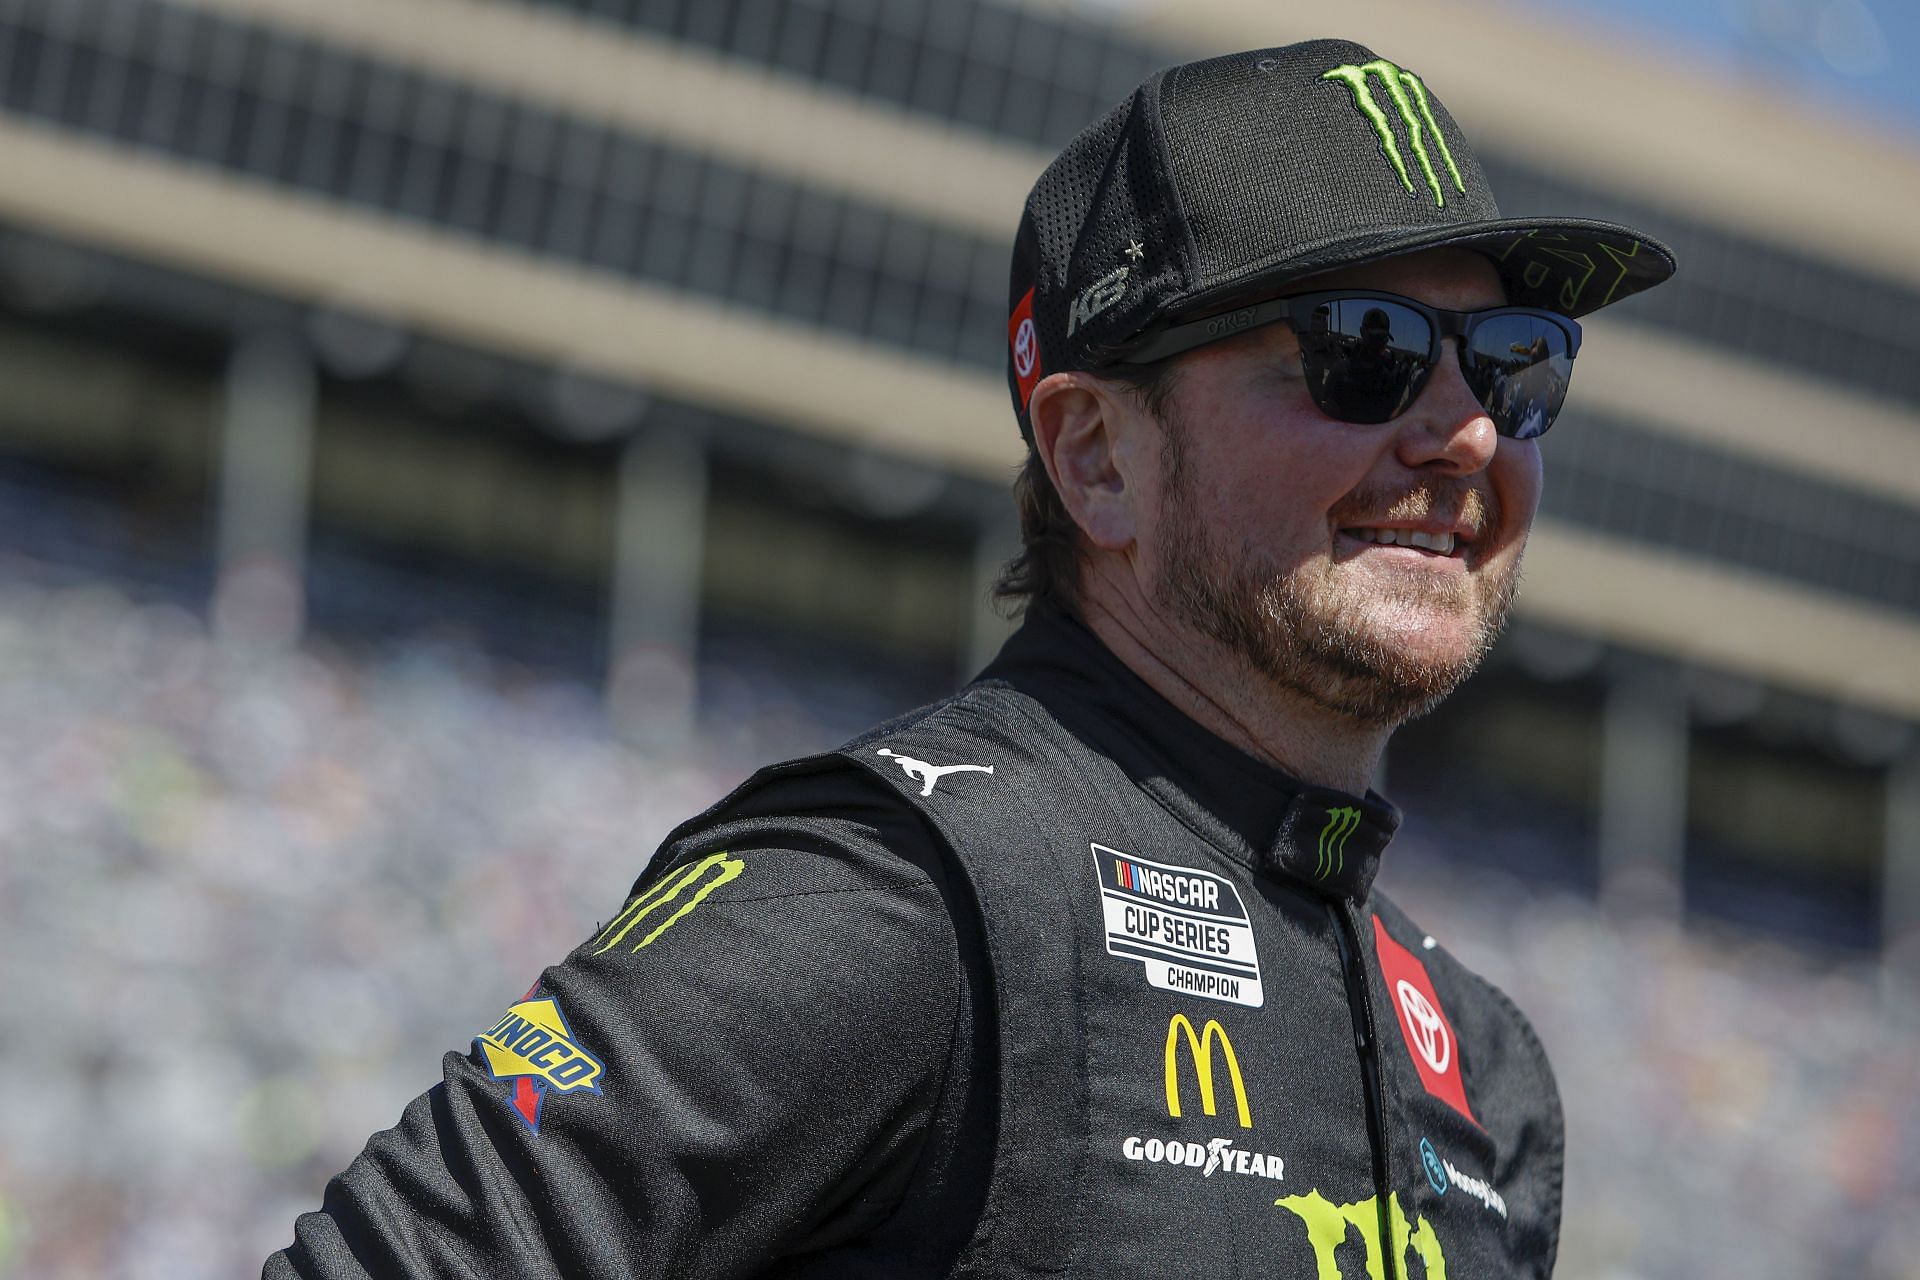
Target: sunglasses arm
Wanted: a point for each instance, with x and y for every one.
(1175, 339)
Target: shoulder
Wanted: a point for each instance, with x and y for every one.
(989, 714)
(808, 890)
(849, 845)
(818, 824)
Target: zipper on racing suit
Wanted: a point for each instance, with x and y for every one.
(1366, 1042)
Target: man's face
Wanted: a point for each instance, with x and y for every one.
(1265, 537)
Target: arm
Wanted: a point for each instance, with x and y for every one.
(740, 1065)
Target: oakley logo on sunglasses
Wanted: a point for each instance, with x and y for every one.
(1232, 322)
(1409, 98)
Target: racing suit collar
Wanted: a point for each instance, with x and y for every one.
(1252, 812)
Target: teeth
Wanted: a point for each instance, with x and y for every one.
(1440, 542)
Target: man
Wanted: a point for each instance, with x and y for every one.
(1081, 972)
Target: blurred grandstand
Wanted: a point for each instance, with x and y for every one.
(447, 442)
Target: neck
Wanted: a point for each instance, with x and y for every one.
(1222, 693)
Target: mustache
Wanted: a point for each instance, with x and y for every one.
(1448, 499)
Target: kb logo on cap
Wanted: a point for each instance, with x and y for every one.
(1097, 297)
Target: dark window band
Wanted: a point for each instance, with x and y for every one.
(244, 98)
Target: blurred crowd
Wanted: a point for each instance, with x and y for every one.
(248, 898)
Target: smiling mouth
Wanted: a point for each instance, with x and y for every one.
(1436, 544)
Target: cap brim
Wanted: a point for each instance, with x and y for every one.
(1574, 266)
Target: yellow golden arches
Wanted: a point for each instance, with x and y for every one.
(1200, 1050)
(682, 890)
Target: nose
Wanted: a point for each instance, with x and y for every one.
(1447, 429)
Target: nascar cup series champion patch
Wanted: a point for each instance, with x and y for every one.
(1188, 927)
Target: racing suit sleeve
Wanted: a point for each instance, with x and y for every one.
(740, 1066)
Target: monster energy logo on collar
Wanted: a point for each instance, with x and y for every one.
(1409, 98)
(1341, 823)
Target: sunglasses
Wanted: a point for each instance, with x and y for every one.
(1367, 355)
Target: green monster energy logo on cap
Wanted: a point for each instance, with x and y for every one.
(1409, 98)
(1341, 823)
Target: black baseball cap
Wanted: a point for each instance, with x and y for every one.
(1217, 183)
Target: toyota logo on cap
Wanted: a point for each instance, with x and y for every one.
(1024, 346)
(1023, 351)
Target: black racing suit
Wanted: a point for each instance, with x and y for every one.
(1045, 979)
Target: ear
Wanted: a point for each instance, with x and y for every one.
(1088, 435)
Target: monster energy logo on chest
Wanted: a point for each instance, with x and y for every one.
(1409, 98)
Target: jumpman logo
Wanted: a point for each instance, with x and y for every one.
(928, 774)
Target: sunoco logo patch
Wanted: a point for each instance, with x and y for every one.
(533, 1047)
(1189, 928)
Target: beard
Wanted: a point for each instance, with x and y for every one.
(1319, 633)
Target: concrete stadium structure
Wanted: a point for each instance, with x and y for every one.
(654, 316)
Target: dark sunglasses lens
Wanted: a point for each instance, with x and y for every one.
(1519, 367)
(1365, 358)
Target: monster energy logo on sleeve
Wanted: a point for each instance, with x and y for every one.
(1409, 98)
(1341, 824)
(668, 902)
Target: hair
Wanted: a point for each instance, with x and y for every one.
(1047, 566)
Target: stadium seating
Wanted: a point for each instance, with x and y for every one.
(247, 900)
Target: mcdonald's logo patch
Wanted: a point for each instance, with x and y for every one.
(667, 903)
(1200, 1045)
(532, 1046)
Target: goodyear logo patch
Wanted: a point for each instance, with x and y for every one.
(1188, 928)
(533, 1046)
(668, 903)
